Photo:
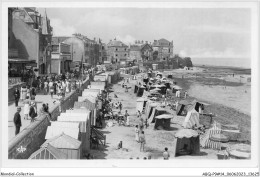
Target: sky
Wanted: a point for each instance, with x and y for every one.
(195, 32)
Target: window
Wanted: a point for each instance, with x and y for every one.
(116, 55)
(116, 49)
(125, 54)
(125, 49)
(169, 50)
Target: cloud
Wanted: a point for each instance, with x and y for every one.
(127, 39)
(211, 53)
(59, 29)
(218, 29)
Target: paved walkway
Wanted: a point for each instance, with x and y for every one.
(39, 99)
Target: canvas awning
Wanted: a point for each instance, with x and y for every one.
(164, 116)
(186, 133)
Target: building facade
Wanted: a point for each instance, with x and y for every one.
(83, 49)
(33, 34)
(135, 53)
(60, 58)
(117, 52)
(146, 52)
(164, 49)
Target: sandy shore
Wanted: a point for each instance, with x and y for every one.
(238, 98)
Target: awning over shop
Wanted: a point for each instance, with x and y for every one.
(18, 60)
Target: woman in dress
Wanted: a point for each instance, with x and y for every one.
(23, 92)
(28, 92)
(26, 109)
(137, 133)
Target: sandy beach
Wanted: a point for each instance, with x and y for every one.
(230, 105)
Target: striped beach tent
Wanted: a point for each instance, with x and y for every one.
(205, 141)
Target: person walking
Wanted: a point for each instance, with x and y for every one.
(127, 120)
(17, 120)
(136, 133)
(142, 141)
(120, 106)
(55, 87)
(45, 87)
(33, 112)
(166, 154)
(33, 93)
(185, 94)
(16, 96)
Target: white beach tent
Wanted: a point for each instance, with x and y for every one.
(84, 121)
(66, 144)
(94, 91)
(90, 97)
(100, 87)
(191, 119)
(140, 104)
(98, 83)
(53, 131)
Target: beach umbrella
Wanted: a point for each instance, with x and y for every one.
(240, 151)
(176, 87)
(239, 155)
(240, 147)
(219, 138)
(164, 116)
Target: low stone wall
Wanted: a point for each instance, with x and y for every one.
(11, 90)
(32, 137)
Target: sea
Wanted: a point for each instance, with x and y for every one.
(230, 62)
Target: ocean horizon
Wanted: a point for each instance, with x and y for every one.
(229, 62)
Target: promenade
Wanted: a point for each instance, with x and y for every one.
(39, 99)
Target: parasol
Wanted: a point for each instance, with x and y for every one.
(219, 138)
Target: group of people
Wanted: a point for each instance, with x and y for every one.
(59, 87)
(27, 92)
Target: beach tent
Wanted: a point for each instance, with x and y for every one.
(98, 84)
(186, 142)
(189, 105)
(83, 119)
(182, 105)
(90, 98)
(66, 144)
(163, 121)
(156, 111)
(48, 152)
(88, 91)
(140, 103)
(89, 106)
(53, 131)
(80, 110)
(205, 141)
(140, 91)
(65, 124)
(100, 87)
(150, 107)
(191, 119)
(100, 78)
